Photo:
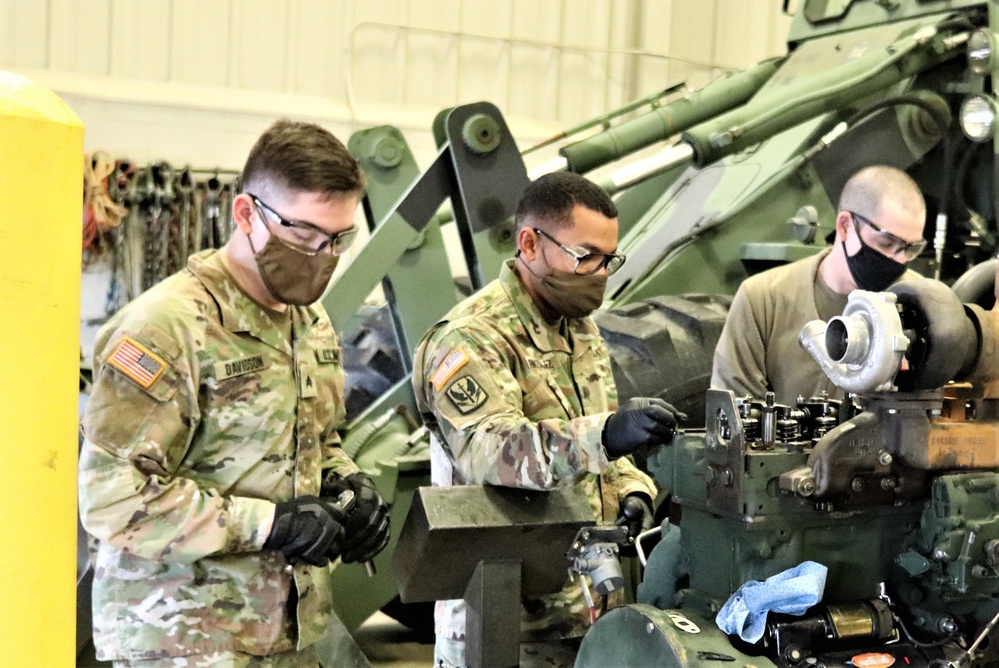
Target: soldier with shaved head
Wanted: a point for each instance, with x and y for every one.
(879, 229)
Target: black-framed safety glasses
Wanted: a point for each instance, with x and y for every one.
(888, 242)
(586, 262)
(309, 239)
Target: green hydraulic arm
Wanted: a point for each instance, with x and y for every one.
(420, 274)
(480, 169)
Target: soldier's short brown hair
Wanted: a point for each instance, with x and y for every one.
(303, 157)
(548, 201)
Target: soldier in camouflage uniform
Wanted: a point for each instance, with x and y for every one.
(211, 473)
(516, 387)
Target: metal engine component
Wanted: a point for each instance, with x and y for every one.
(861, 350)
(593, 554)
(794, 638)
(900, 501)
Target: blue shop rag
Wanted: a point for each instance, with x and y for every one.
(793, 591)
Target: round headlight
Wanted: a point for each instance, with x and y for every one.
(978, 117)
(982, 52)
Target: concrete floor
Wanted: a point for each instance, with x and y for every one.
(386, 642)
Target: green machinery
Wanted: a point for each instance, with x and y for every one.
(899, 501)
(751, 168)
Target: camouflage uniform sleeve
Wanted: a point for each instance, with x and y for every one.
(335, 458)
(740, 358)
(632, 480)
(479, 410)
(136, 438)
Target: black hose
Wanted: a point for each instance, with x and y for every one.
(911, 99)
(977, 284)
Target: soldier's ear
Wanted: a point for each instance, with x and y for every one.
(527, 243)
(242, 211)
(843, 222)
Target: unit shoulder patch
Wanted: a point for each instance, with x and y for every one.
(450, 366)
(466, 394)
(137, 362)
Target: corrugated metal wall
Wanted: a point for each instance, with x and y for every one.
(547, 64)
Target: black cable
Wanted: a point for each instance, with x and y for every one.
(917, 643)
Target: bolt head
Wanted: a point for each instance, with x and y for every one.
(947, 625)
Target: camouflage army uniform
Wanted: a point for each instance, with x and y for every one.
(512, 400)
(206, 410)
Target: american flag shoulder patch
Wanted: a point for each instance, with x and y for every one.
(457, 359)
(137, 362)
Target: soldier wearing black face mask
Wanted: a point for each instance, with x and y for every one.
(879, 230)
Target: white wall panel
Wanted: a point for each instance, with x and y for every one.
(7, 33)
(25, 32)
(377, 52)
(743, 32)
(140, 39)
(431, 72)
(534, 69)
(319, 47)
(582, 71)
(623, 35)
(212, 65)
(199, 42)
(693, 32)
(79, 36)
(655, 36)
(484, 64)
(261, 44)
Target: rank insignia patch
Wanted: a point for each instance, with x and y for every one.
(466, 394)
(139, 364)
(457, 359)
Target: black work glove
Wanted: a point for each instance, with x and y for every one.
(636, 515)
(307, 529)
(640, 422)
(367, 529)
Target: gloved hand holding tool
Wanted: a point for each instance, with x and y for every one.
(640, 422)
(367, 528)
(309, 529)
(636, 515)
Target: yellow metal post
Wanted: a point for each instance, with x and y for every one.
(41, 191)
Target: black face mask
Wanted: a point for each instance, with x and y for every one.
(870, 269)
